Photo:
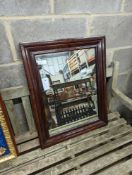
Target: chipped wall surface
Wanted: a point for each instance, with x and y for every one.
(41, 20)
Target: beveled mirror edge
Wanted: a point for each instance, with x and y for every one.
(27, 49)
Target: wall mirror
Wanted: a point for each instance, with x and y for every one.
(66, 80)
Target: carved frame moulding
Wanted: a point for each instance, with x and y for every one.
(8, 149)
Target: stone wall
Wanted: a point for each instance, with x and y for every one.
(39, 20)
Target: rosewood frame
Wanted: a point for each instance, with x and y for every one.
(29, 50)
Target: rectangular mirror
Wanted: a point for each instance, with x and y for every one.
(67, 84)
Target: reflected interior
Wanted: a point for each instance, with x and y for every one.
(69, 85)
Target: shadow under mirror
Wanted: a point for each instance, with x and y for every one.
(69, 85)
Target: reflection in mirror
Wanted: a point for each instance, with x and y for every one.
(69, 85)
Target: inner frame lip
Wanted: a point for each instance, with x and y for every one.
(66, 50)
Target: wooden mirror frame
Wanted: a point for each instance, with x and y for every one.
(29, 50)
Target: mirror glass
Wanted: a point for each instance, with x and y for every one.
(69, 87)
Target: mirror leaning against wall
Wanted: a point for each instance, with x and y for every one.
(66, 80)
